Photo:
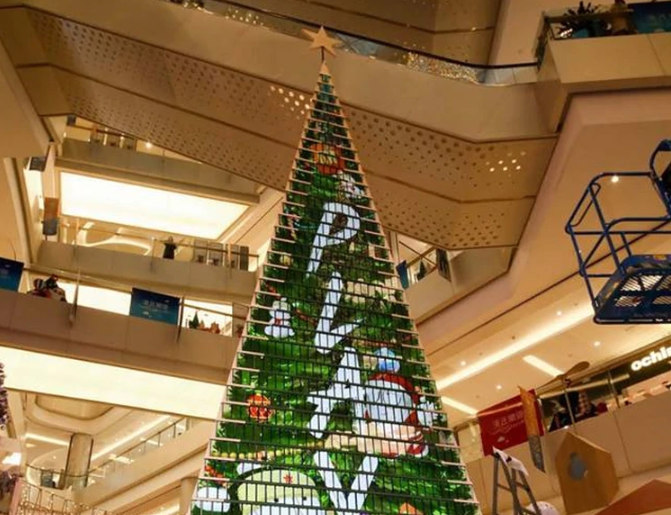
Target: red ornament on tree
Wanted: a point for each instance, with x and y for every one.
(259, 407)
(329, 159)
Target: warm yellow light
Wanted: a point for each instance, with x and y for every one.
(98, 298)
(64, 377)
(144, 429)
(543, 366)
(46, 439)
(548, 330)
(459, 406)
(13, 459)
(149, 208)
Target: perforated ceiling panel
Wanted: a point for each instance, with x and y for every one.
(429, 185)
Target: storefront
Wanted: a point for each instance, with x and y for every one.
(627, 380)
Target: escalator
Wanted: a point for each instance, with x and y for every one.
(454, 154)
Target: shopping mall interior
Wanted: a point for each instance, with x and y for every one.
(310, 257)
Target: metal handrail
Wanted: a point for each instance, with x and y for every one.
(417, 60)
(226, 249)
(424, 255)
(40, 501)
(119, 287)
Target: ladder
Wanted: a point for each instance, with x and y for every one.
(515, 478)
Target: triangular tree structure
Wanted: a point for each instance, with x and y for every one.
(330, 408)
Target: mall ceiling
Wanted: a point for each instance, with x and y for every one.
(456, 192)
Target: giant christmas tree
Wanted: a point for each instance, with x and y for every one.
(330, 407)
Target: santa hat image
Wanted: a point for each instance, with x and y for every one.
(396, 414)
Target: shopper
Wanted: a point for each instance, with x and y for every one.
(620, 22)
(169, 248)
(560, 416)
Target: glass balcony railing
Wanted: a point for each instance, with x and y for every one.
(366, 47)
(178, 248)
(113, 297)
(58, 479)
(465, 270)
(34, 500)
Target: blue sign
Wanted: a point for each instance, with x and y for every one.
(154, 306)
(650, 18)
(402, 271)
(10, 274)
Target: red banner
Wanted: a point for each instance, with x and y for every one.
(504, 425)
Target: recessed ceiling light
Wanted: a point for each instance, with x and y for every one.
(148, 144)
(596, 344)
(463, 363)
(614, 179)
(541, 365)
(498, 386)
(459, 406)
(559, 313)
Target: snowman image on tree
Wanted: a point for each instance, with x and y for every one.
(394, 414)
(280, 322)
(279, 492)
(265, 492)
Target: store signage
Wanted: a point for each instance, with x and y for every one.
(534, 429)
(10, 274)
(505, 425)
(154, 306)
(656, 356)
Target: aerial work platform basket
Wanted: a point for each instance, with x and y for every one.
(618, 213)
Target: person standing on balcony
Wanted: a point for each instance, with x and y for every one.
(620, 22)
(169, 248)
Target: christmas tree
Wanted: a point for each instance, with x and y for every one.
(330, 407)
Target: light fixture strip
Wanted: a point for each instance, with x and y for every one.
(464, 408)
(549, 330)
(541, 365)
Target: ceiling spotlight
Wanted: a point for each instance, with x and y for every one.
(559, 313)
(614, 179)
(463, 363)
(148, 144)
(596, 344)
(498, 386)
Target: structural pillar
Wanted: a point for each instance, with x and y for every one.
(187, 487)
(78, 462)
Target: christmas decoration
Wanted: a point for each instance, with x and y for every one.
(213, 499)
(281, 318)
(409, 509)
(329, 159)
(330, 407)
(258, 408)
(279, 492)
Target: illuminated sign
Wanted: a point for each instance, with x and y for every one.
(330, 408)
(656, 356)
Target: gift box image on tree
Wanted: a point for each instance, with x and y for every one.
(330, 407)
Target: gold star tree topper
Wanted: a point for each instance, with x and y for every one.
(323, 41)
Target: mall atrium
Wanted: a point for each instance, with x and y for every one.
(335, 257)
